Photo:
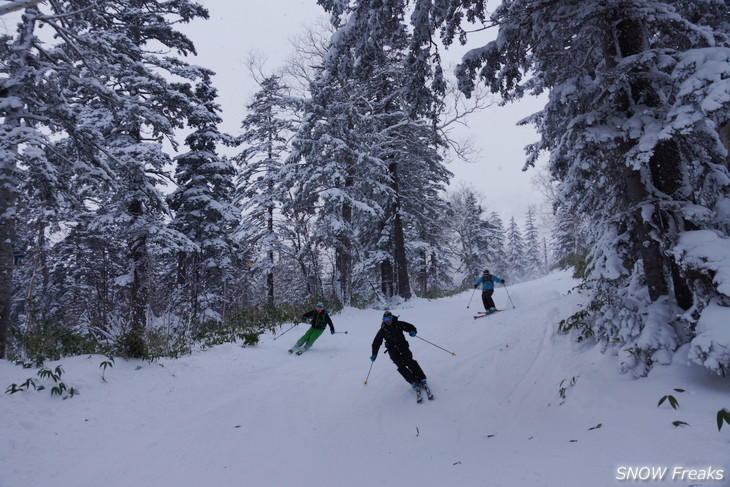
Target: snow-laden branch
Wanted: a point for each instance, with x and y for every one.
(6, 8)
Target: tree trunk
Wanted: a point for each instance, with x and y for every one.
(423, 272)
(8, 199)
(343, 259)
(386, 278)
(649, 248)
(401, 262)
(8, 192)
(434, 274)
(399, 242)
(724, 132)
(195, 285)
(140, 271)
(270, 275)
(103, 288)
(182, 258)
(627, 39)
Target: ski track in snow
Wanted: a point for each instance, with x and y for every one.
(257, 416)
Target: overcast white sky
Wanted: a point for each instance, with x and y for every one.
(237, 28)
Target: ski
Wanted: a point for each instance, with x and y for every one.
(486, 314)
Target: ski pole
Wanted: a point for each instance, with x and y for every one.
(452, 353)
(285, 331)
(472, 296)
(341, 332)
(371, 368)
(510, 298)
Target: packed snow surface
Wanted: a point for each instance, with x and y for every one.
(516, 405)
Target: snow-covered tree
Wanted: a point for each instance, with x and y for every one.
(637, 98)
(267, 128)
(533, 263)
(474, 240)
(100, 91)
(141, 109)
(204, 212)
(498, 256)
(379, 156)
(568, 237)
(329, 176)
(514, 252)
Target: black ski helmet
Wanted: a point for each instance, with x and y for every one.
(387, 313)
(486, 271)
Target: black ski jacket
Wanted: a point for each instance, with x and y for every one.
(395, 342)
(319, 320)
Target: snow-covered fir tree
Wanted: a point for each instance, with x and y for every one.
(331, 179)
(533, 252)
(383, 159)
(426, 233)
(266, 130)
(144, 109)
(204, 213)
(498, 256)
(568, 238)
(26, 87)
(474, 241)
(99, 91)
(514, 252)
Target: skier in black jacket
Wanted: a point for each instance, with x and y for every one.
(392, 330)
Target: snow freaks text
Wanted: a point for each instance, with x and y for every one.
(669, 473)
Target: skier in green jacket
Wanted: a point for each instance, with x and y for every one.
(319, 320)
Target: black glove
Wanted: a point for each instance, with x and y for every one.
(476, 286)
(372, 358)
(504, 281)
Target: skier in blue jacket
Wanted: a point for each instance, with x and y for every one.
(487, 281)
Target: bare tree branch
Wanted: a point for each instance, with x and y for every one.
(310, 48)
(457, 108)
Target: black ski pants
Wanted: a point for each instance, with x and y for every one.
(487, 299)
(408, 368)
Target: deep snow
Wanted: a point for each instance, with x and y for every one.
(257, 416)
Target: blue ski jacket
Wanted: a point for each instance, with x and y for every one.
(488, 282)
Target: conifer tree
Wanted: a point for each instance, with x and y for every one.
(515, 252)
(366, 61)
(267, 128)
(204, 212)
(474, 242)
(100, 91)
(567, 238)
(498, 256)
(533, 254)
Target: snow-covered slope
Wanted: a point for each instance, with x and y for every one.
(517, 405)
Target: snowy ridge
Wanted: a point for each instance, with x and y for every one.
(516, 406)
